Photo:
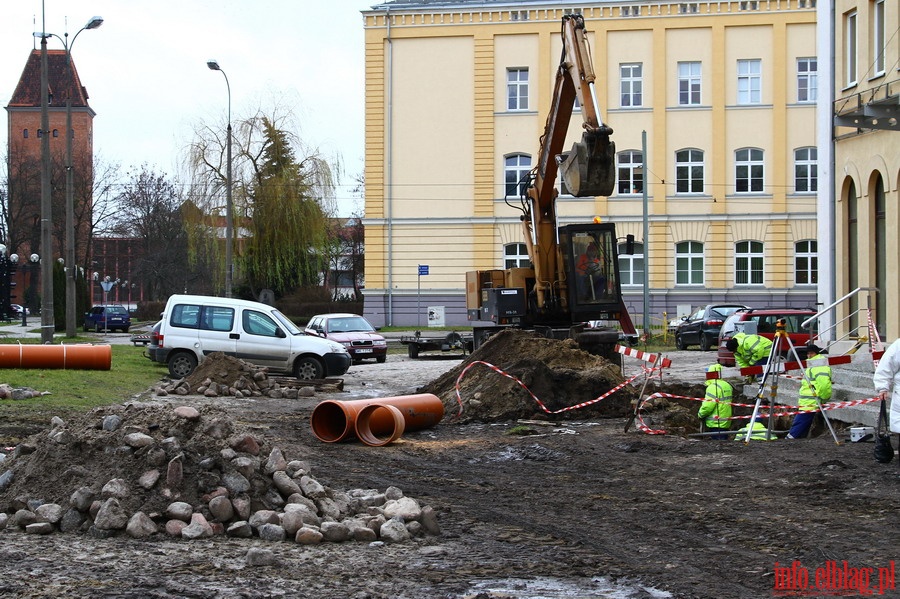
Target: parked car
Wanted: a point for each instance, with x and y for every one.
(194, 326)
(17, 310)
(702, 326)
(152, 348)
(353, 332)
(764, 320)
(109, 318)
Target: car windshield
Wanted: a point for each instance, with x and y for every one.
(349, 324)
(286, 323)
(116, 310)
(726, 310)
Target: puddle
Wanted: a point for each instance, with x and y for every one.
(555, 588)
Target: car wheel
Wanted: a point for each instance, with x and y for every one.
(679, 342)
(98, 328)
(704, 342)
(381, 359)
(308, 368)
(182, 364)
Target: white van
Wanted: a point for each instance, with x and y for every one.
(194, 326)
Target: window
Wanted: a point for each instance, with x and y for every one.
(630, 11)
(631, 266)
(517, 168)
(749, 81)
(806, 262)
(688, 7)
(56, 133)
(878, 46)
(518, 15)
(807, 79)
(806, 3)
(217, 318)
(689, 171)
(850, 49)
(515, 255)
(40, 133)
(25, 133)
(748, 263)
(689, 263)
(688, 83)
(257, 323)
(185, 315)
(749, 5)
(632, 85)
(805, 170)
(748, 170)
(631, 178)
(517, 89)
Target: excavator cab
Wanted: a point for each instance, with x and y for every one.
(589, 169)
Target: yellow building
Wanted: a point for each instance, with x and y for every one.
(866, 109)
(457, 94)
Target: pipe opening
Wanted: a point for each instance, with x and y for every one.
(381, 413)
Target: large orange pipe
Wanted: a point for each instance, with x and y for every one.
(82, 356)
(334, 420)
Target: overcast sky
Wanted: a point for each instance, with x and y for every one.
(145, 70)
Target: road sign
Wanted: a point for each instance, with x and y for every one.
(423, 269)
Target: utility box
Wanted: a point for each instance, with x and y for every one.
(436, 316)
(747, 326)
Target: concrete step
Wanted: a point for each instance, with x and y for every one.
(849, 382)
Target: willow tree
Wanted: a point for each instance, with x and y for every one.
(280, 201)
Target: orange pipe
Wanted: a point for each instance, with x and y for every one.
(334, 420)
(364, 428)
(82, 356)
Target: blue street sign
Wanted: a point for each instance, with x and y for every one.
(423, 269)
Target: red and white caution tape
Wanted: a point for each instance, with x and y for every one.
(642, 355)
(780, 367)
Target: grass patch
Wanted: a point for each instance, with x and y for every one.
(80, 390)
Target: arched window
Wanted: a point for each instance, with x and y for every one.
(806, 262)
(689, 264)
(516, 169)
(25, 133)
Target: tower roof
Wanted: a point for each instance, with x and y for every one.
(28, 90)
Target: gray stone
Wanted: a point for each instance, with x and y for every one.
(311, 487)
(235, 483)
(3, 519)
(179, 510)
(57, 422)
(247, 466)
(393, 493)
(49, 512)
(271, 532)
(405, 507)
(82, 498)
(138, 440)
(328, 508)
(175, 527)
(429, 521)
(393, 531)
(111, 423)
(241, 505)
(187, 412)
(61, 436)
(140, 526)
(175, 472)
(240, 529)
(39, 528)
(5, 479)
(308, 536)
(155, 456)
(111, 516)
(308, 513)
(260, 517)
(273, 499)
(149, 479)
(285, 484)
(336, 532)
(292, 521)
(199, 528)
(295, 467)
(117, 488)
(260, 557)
(221, 508)
(23, 518)
(71, 520)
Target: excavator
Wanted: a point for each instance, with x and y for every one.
(573, 279)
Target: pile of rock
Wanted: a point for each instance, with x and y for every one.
(171, 471)
(10, 392)
(221, 375)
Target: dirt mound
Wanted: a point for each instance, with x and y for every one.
(556, 372)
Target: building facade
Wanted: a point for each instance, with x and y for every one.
(457, 95)
(866, 206)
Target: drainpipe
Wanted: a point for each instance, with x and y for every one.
(825, 198)
(389, 192)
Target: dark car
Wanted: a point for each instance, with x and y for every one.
(353, 332)
(764, 320)
(109, 318)
(702, 326)
(153, 351)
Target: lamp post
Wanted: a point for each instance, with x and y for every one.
(71, 271)
(229, 217)
(32, 266)
(47, 325)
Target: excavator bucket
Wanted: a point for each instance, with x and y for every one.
(589, 169)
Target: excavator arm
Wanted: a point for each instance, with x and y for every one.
(588, 169)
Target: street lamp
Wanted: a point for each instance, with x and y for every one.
(32, 265)
(229, 218)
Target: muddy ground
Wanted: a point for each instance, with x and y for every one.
(530, 504)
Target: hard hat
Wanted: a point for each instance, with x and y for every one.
(714, 368)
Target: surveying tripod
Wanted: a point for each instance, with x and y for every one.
(774, 367)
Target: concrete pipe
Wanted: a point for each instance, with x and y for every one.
(334, 420)
(82, 356)
(364, 425)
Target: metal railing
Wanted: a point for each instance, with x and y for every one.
(852, 328)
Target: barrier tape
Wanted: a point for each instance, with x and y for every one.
(546, 410)
(782, 410)
(778, 367)
(642, 355)
(876, 348)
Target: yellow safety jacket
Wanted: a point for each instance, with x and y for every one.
(751, 349)
(816, 384)
(759, 433)
(717, 402)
